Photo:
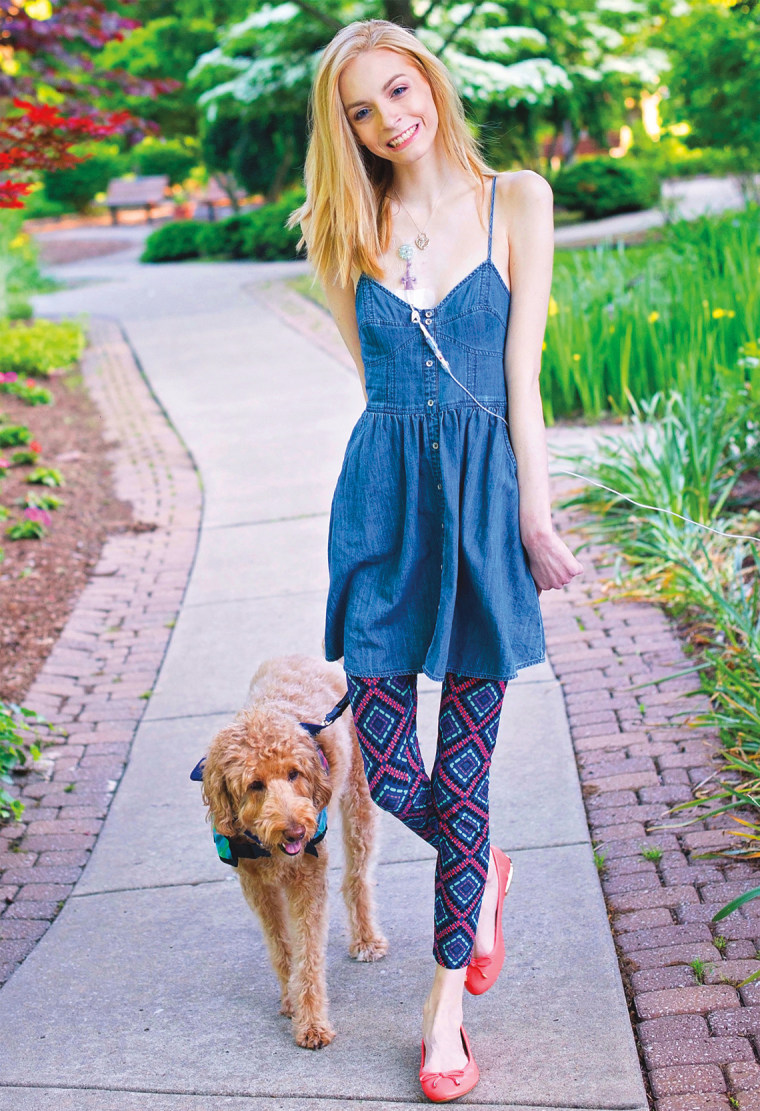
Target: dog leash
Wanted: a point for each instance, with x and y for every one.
(316, 727)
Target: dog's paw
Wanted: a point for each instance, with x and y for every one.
(369, 949)
(286, 1007)
(314, 1035)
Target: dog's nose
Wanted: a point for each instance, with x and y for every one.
(294, 833)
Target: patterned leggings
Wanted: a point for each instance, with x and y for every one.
(449, 810)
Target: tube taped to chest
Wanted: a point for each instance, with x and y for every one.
(433, 345)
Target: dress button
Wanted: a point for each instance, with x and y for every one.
(440, 487)
(429, 362)
(430, 401)
(428, 313)
(435, 445)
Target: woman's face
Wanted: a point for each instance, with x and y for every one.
(389, 105)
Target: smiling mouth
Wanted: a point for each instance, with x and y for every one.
(291, 848)
(402, 139)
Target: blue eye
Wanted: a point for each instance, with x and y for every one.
(403, 89)
(358, 117)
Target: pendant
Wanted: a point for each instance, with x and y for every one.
(421, 241)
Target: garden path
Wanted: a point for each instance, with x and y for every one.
(152, 987)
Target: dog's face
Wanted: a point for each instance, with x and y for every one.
(263, 774)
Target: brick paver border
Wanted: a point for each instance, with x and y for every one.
(95, 684)
(637, 755)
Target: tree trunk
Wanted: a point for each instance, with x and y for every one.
(280, 178)
(400, 11)
(568, 142)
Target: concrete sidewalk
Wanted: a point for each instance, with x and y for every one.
(152, 988)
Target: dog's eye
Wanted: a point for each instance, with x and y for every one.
(293, 774)
(257, 785)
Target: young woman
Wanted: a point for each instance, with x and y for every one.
(437, 271)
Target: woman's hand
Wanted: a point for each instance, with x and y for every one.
(551, 562)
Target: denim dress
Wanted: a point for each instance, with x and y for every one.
(427, 569)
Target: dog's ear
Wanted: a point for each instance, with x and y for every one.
(321, 786)
(215, 790)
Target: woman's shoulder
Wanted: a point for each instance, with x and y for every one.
(518, 189)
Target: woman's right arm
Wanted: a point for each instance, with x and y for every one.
(341, 301)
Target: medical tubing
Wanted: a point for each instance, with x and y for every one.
(433, 345)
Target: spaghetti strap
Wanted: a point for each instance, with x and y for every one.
(490, 223)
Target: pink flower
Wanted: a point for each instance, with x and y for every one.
(35, 445)
(33, 513)
(8, 376)
(3, 463)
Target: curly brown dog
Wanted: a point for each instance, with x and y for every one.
(264, 776)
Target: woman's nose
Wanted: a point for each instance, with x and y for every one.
(390, 117)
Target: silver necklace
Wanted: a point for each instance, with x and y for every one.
(422, 240)
(406, 251)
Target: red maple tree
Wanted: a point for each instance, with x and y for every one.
(57, 51)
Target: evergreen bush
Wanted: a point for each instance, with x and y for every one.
(173, 242)
(599, 187)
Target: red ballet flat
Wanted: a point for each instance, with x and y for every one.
(442, 1087)
(483, 972)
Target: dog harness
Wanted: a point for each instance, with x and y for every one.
(248, 846)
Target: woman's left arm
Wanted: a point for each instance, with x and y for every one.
(531, 248)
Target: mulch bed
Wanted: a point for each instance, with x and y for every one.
(40, 580)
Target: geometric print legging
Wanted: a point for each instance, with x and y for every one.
(449, 810)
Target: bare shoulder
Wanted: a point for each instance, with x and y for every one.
(523, 191)
(526, 202)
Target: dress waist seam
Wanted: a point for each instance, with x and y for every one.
(423, 409)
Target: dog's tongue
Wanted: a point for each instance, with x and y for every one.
(292, 847)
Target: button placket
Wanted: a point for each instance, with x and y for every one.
(431, 374)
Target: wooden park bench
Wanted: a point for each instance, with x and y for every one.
(143, 192)
(212, 196)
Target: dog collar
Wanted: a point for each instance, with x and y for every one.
(248, 847)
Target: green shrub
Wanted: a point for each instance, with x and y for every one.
(600, 187)
(37, 205)
(224, 238)
(266, 237)
(260, 235)
(12, 435)
(173, 242)
(76, 187)
(40, 347)
(670, 158)
(16, 750)
(169, 157)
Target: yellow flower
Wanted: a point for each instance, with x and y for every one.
(653, 316)
(38, 9)
(730, 313)
(19, 240)
(553, 307)
(543, 346)
(718, 313)
(576, 358)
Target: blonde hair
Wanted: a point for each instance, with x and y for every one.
(345, 219)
